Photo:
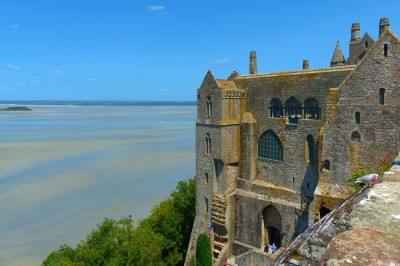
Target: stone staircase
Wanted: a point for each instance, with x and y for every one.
(218, 219)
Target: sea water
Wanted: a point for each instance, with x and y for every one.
(63, 168)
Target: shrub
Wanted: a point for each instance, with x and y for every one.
(203, 251)
(356, 174)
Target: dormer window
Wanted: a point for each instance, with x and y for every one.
(208, 107)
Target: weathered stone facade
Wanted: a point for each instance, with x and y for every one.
(274, 150)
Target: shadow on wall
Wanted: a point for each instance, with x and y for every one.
(308, 186)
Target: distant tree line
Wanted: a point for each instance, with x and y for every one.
(160, 239)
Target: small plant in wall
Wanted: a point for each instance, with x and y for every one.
(356, 174)
(386, 160)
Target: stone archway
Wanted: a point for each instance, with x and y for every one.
(272, 226)
(323, 211)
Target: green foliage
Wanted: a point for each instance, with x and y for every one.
(356, 174)
(203, 251)
(160, 239)
(64, 256)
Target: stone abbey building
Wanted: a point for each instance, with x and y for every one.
(274, 150)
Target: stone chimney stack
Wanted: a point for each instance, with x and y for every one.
(253, 63)
(383, 25)
(355, 36)
(305, 64)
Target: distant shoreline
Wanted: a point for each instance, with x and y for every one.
(102, 103)
(15, 108)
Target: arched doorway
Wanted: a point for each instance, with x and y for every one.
(323, 211)
(272, 232)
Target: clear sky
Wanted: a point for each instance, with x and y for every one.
(161, 49)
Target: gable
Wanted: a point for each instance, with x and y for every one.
(375, 70)
(360, 50)
(209, 83)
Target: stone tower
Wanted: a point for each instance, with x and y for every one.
(355, 37)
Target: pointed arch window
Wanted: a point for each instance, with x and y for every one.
(355, 136)
(270, 146)
(312, 109)
(276, 108)
(209, 107)
(293, 110)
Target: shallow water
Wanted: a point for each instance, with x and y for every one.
(64, 168)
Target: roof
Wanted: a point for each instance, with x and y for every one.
(226, 84)
(330, 77)
(338, 57)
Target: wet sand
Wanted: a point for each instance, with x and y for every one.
(64, 169)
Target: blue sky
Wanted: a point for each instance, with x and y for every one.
(161, 50)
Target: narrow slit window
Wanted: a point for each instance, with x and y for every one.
(366, 44)
(382, 96)
(206, 178)
(385, 50)
(357, 118)
(208, 144)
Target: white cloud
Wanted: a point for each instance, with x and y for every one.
(93, 79)
(36, 82)
(220, 61)
(14, 26)
(14, 67)
(57, 72)
(157, 8)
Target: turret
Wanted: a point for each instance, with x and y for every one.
(337, 58)
(253, 63)
(383, 25)
(355, 37)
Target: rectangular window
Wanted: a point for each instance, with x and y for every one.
(382, 96)
(385, 50)
(206, 179)
(357, 118)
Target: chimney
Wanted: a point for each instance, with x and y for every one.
(253, 63)
(383, 25)
(305, 64)
(355, 37)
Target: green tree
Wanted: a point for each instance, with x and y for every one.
(160, 239)
(203, 251)
(64, 256)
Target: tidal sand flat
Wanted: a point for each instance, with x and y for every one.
(64, 168)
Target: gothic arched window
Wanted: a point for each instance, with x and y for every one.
(276, 108)
(270, 146)
(209, 109)
(312, 109)
(293, 110)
